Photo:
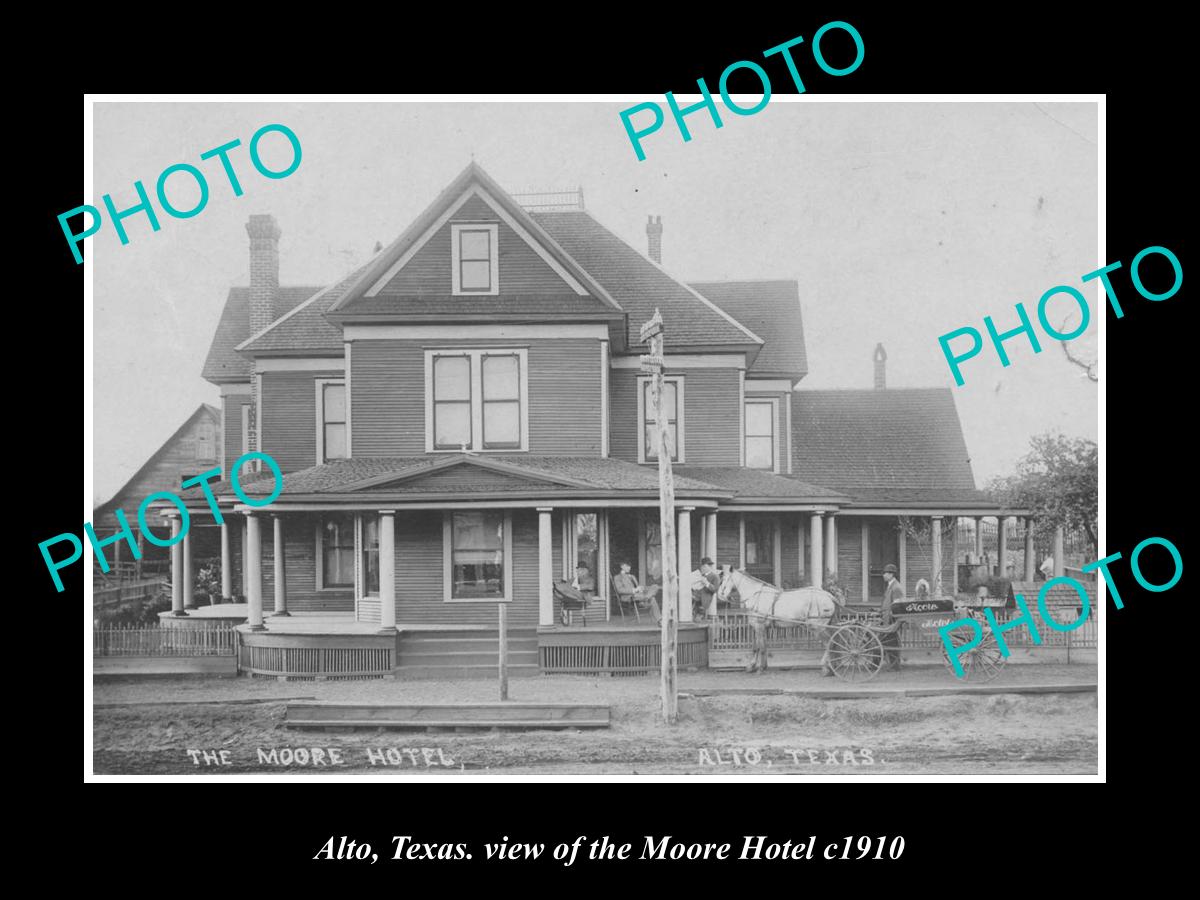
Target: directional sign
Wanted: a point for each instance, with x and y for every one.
(652, 363)
(653, 328)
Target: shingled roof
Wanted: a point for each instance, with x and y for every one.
(754, 485)
(770, 309)
(223, 362)
(641, 286)
(900, 447)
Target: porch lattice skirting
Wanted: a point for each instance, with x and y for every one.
(303, 658)
(618, 652)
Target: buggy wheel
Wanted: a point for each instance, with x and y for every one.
(855, 653)
(981, 663)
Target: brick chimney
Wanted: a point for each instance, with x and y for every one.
(264, 270)
(880, 365)
(654, 238)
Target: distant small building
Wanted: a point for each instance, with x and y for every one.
(195, 447)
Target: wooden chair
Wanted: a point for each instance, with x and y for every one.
(624, 600)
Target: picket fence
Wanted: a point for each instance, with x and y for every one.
(216, 639)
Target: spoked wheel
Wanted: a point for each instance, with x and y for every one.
(855, 653)
(981, 663)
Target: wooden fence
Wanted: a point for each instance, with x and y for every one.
(146, 589)
(216, 639)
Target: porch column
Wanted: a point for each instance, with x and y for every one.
(710, 537)
(176, 570)
(978, 540)
(935, 551)
(1030, 566)
(814, 560)
(387, 570)
(545, 567)
(226, 561)
(954, 554)
(902, 562)
(1060, 568)
(245, 556)
(253, 567)
(831, 543)
(189, 582)
(683, 562)
(1002, 548)
(280, 569)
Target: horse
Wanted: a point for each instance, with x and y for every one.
(808, 606)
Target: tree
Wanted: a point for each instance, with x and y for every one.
(1057, 481)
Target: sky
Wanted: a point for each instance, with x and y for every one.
(900, 222)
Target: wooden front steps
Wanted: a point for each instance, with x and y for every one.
(464, 654)
(313, 714)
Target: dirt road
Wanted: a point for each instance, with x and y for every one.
(149, 727)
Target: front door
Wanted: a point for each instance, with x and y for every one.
(760, 547)
(882, 546)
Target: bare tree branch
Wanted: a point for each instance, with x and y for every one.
(1088, 368)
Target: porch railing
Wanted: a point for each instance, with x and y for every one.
(215, 639)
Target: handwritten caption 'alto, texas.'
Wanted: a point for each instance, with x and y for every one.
(604, 848)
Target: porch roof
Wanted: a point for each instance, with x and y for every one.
(761, 487)
(459, 477)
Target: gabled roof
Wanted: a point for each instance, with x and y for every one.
(402, 477)
(770, 309)
(889, 447)
(224, 363)
(204, 410)
(641, 286)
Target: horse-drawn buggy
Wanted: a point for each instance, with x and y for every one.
(857, 645)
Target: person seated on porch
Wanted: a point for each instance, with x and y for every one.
(630, 591)
(583, 581)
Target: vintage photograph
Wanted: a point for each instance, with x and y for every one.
(452, 437)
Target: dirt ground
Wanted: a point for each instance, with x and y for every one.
(729, 724)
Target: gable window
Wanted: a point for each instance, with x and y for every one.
(760, 435)
(331, 419)
(475, 259)
(672, 406)
(206, 441)
(478, 545)
(335, 552)
(476, 399)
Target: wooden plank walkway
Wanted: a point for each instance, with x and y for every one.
(866, 693)
(447, 715)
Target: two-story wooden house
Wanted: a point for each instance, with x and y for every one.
(463, 420)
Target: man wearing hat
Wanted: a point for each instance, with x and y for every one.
(893, 593)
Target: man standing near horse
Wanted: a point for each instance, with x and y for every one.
(893, 593)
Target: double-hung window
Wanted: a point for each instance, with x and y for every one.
(478, 548)
(331, 419)
(761, 448)
(476, 399)
(475, 259)
(672, 407)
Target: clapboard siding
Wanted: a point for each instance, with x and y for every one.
(289, 413)
(522, 270)
(729, 540)
(300, 554)
(789, 553)
(388, 395)
(419, 574)
(710, 416)
(231, 405)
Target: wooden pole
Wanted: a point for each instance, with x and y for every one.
(503, 650)
(652, 332)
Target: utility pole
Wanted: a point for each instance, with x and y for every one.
(652, 333)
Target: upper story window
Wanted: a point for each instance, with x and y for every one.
(245, 428)
(475, 258)
(761, 446)
(206, 441)
(331, 419)
(672, 404)
(476, 399)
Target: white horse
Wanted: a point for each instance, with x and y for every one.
(803, 606)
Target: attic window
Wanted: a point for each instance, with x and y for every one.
(475, 260)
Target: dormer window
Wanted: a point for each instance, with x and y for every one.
(476, 260)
